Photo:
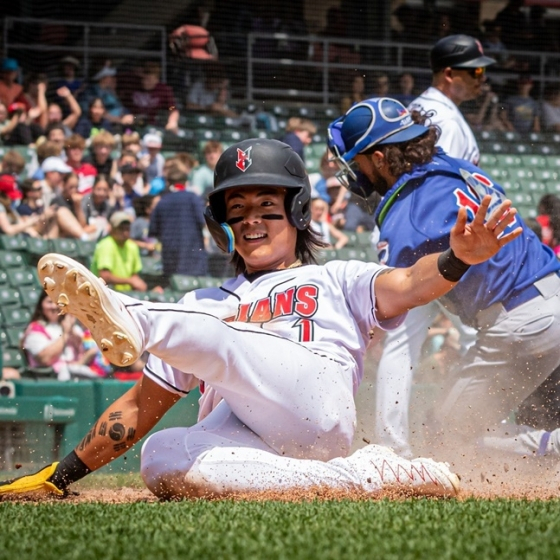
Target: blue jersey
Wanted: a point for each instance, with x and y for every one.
(415, 219)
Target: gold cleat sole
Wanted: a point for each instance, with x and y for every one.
(76, 290)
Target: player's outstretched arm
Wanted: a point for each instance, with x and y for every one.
(400, 289)
(123, 424)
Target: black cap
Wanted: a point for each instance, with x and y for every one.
(458, 51)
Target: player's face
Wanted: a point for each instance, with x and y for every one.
(466, 83)
(263, 236)
(367, 166)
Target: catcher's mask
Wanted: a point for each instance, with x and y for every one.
(253, 163)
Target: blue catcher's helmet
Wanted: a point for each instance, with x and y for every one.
(372, 122)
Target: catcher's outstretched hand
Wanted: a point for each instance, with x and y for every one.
(479, 240)
(37, 482)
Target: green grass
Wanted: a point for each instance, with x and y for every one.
(277, 530)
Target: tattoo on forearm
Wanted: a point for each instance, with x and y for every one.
(119, 446)
(87, 438)
(131, 433)
(117, 431)
(103, 429)
(115, 415)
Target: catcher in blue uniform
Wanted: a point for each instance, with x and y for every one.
(512, 299)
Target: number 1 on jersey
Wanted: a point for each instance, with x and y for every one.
(305, 329)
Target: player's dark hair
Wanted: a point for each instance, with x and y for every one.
(308, 243)
(402, 157)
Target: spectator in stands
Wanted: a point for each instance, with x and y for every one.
(202, 179)
(327, 178)
(11, 223)
(550, 108)
(548, 218)
(101, 147)
(521, 112)
(54, 170)
(32, 205)
(151, 160)
(34, 93)
(12, 162)
(125, 193)
(299, 133)
(117, 258)
(173, 170)
(21, 130)
(69, 67)
(94, 121)
(406, 93)
(152, 98)
(482, 113)
(128, 157)
(97, 206)
(380, 84)
(54, 340)
(131, 142)
(542, 30)
(70, 215)
(356, 94)
(10, 90)
(139, 231)
(105, 89)
(74, 148)
(44, 150)
(211, 93)
(322, 225)
(177, 222)
(73, 111)
(56, 133)
(492, 43)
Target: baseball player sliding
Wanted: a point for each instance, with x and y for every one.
(512, 299)
(458, 64)
(281, 344)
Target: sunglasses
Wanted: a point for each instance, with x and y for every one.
(473, 72)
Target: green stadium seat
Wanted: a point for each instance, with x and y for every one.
(183, 283)
(11, 259)
(364, 239)
(520, 174)
(546, 149)
(511, 136)
(29, 296)
(533, 161)
(36, 248)
(13, 242)
(508, 160)
(151, 266)
(13, 357)
(536, 188)
(85, 248)
(15, 316)
(233, 136)
(9, 297)
(487, 160)
(206, 134)
(14, 336)
(64, 246)
(312, 164)
(489, 135)
(347, 254)
(511, 186)
(553, 187)
(521, 199)
(553, 162)
(23, 276)
(352, 238)
(209, 282)
(544, 174)
(499, 174)
(194, 121)
(493, 147)
(326, 255)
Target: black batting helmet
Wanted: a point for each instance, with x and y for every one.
(253, 163)
(458, 51)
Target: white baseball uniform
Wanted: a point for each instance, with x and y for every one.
(402, 346)
(284, 352)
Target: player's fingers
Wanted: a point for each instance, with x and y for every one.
(504, 240)
(499, 214)
(504, 221)
(461, 221)
(480, 215)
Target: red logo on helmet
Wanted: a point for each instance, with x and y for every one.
(244, 160)
(479, 46)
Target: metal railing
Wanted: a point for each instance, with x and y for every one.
(94, 39)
